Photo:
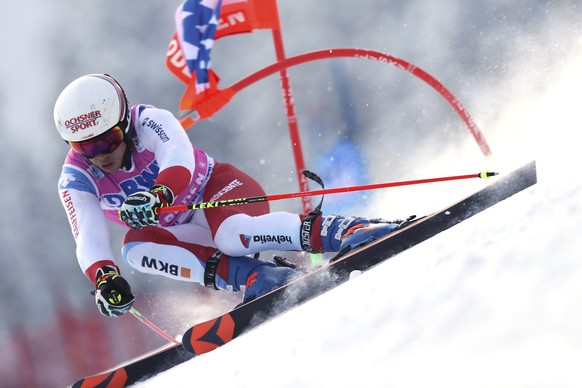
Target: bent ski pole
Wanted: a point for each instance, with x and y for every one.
(152, 326)
(276, 197)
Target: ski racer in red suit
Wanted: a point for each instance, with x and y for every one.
(127, 162)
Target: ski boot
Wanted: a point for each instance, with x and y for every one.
(256, 277)
(344, 234)
(365, 232)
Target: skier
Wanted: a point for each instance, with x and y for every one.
(126, 162)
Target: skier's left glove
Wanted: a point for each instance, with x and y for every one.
(141, 209)
(113, 294)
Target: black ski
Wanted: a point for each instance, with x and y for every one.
(209, 335)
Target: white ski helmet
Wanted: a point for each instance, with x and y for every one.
(90, 106)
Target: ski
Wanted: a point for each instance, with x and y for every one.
(137, 370)
(209, 335)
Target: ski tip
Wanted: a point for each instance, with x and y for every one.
(487, 174)
(113, 379)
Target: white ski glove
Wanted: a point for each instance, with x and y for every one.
(141, 209)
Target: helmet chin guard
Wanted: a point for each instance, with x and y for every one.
(90, 106)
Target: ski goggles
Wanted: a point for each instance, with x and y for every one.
(105, 143)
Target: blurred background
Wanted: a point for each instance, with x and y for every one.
(360, 122)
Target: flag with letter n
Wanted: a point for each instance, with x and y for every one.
(198, 24)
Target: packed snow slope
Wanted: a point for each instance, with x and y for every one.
(493, 302)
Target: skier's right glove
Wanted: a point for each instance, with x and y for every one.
(141, 209)
(113, 294)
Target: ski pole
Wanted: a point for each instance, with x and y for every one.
(276, 197)
(152, 326)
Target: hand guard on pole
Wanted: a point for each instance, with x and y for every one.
(113, 294)
(141, 209)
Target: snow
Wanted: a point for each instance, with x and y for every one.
(487, 303)
(490, 302)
